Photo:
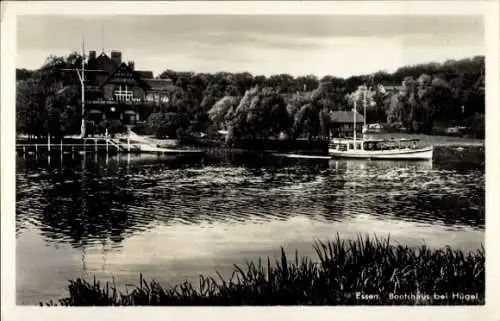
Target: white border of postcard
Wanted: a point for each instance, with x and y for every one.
(9, 11)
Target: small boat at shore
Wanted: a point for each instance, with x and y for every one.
(143, 144)
(379, 149)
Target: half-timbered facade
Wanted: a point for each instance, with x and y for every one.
(115, 90)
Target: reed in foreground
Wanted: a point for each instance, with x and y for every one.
(366, 271)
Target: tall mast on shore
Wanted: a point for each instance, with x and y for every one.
(81, 76)
(102, 38)
(82, 81)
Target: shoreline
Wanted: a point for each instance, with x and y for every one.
(365, 271)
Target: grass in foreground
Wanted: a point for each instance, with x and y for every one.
(344, 268)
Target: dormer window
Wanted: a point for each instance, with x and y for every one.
(123, 94)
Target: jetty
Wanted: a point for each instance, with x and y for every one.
(131, 143)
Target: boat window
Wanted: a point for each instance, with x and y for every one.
(351, 146)
(343, 147)
(358, 146)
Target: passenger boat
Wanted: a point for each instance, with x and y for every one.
(379, 149)
(370, 148)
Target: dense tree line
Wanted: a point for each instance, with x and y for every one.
(43, 103)
(248, 106)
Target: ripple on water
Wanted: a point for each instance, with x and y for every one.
(72, 204)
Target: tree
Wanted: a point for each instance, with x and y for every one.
(260, 81)
(44, 100)
(329, 94)
(30, 108)
(70, 120)
(23, 74)
(219, 113)
(241, 82)
(282, 83)
(157, 124)
(307, 83)
(261, 113)
(169, 74)
(478, 126)
(452, 92)
(395, 110)
(169, 124)
(176, 124)
(441, 99)
(325, 123)
(307, 122)
(296, 101)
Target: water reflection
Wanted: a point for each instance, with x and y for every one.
(94, 199)
(380, 164)
(85, 199)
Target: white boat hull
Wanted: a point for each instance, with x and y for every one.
(419, 153)
(144, 148)
(302, 156)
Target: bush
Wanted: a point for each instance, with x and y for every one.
(477, 126)
(114, 126)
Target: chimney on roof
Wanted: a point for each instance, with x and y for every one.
(131, 65)
(91, 55)
(116, 57)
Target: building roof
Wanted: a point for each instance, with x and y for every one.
(343, 116)
(125, 75)
(145, 74)
(102, 62)
(110, 68)
(160, 84)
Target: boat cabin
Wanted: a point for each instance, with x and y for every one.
(372, 144)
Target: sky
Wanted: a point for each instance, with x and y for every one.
(260, 44)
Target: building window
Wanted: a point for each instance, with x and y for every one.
(124, 94)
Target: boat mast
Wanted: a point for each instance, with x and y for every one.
(364, 106)
(354, 122)
(82, 81)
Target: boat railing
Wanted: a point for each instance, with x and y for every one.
(389, 144)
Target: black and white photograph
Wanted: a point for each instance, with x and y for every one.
(249, 159)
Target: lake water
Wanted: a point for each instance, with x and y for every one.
(173, 219)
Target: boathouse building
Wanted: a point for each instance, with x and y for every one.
(116, 90)
(342, 123)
